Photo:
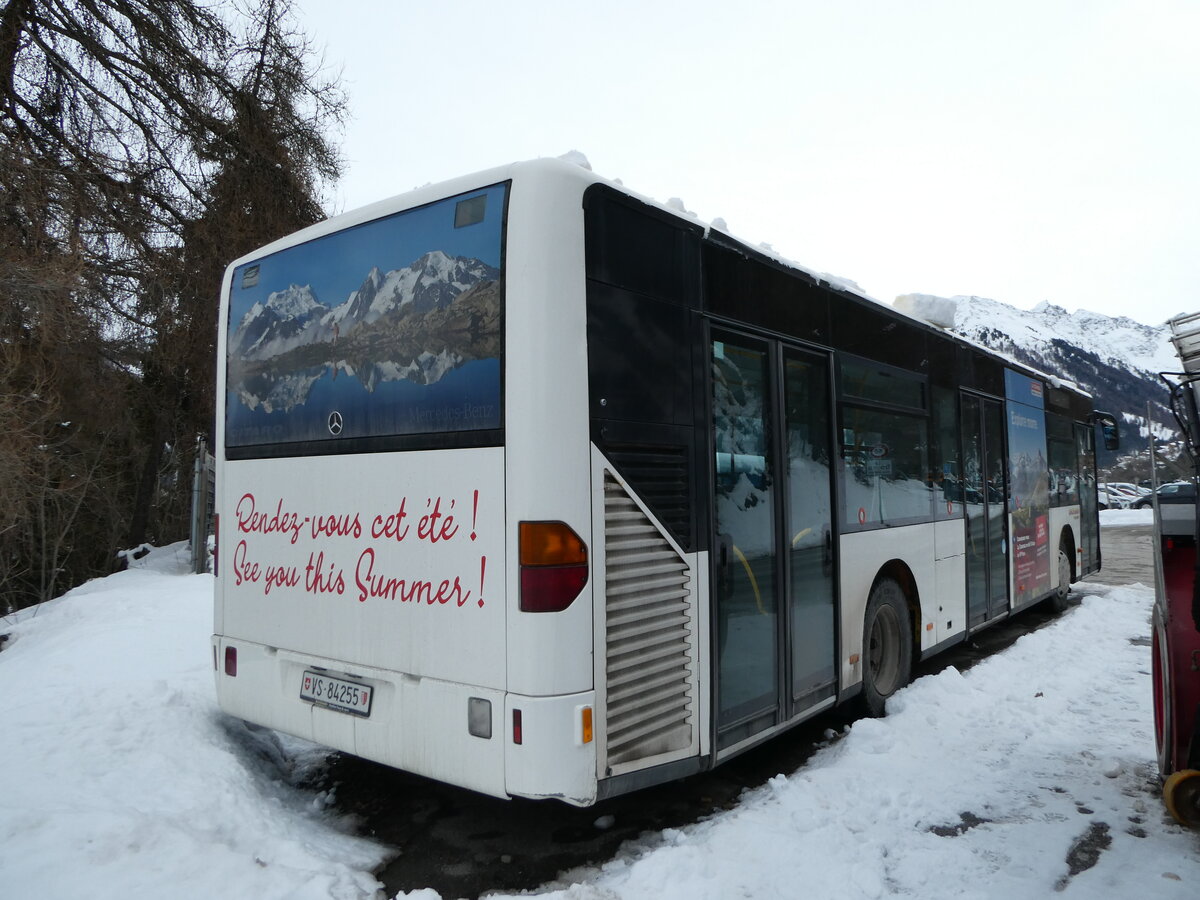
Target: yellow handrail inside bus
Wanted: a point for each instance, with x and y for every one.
(750, 572)
(753, 580)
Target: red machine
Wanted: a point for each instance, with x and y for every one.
(1176, 644)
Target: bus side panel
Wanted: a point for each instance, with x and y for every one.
(863, 555)
(949, 607)
(548, 465)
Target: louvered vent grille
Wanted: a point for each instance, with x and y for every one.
(648, 628)
(659, 475)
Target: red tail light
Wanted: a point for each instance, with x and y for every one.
(554, 566)
(231, 661)
(551, 589)
(516, 726)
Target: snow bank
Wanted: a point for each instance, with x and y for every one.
(121, 777)
(976, 785)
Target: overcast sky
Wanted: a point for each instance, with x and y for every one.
(1022, 150)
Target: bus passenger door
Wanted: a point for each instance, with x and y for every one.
(985, 488)
(745, 520)
(774, 567)
(808, 438)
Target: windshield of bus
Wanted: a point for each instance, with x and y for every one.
(389, 328)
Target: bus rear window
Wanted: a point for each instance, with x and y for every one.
(388, 329)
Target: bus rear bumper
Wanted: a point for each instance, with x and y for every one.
(422, 725)
(416, 724)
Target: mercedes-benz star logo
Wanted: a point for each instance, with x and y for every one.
(335, 423)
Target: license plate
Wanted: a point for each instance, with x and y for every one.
(336, 693)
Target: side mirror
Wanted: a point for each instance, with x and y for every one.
(1108, 428)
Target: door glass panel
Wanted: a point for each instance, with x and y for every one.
(974, 499)
(985, 490)
(997, 495)
(810, 528)
(1089, 524)
(746, 534)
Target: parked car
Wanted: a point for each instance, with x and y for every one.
(1133, 490)
(1111, 497)
(1175, 492)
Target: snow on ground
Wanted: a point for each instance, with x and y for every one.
(976, 785)
(122, 779)
(1126, 517)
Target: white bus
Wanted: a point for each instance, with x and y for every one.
(534, 486)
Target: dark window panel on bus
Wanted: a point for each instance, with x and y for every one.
(980, 372)
(640, 394)
(946, 475)
(1067, 403)
(943, 365)
(643, 277)
(871, 330)
(638, 357)
(635, 246)
(881, 384)
(753, 289)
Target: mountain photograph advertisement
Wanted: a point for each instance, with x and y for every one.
(394, 326)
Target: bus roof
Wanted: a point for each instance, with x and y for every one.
(574, 165)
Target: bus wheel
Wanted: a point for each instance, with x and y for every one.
(1181, 793)
(887, 646)
(1058, 600)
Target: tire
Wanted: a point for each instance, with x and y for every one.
(1164, 711)
(887, 646)
(1059, 601)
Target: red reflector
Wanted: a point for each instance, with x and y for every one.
(551, 588)
(516, 726)
(231, 661)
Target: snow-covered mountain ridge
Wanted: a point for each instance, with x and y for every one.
(1115, 359)
(1146, 348)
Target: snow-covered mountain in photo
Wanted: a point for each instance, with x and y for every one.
(294, 317)
(1115, 359)
(278, 325)
(432, 281)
